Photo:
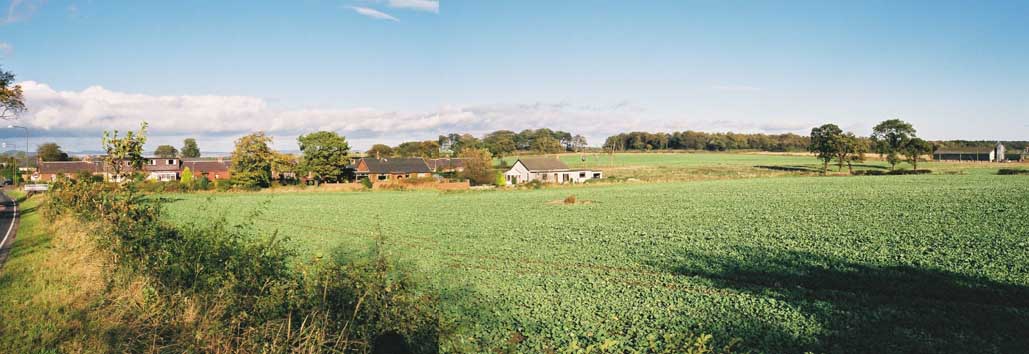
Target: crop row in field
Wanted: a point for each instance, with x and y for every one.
(856, 264)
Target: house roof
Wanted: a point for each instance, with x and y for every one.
(200, 166)
(437, 164)
(396, 165)
(59, 167)
(543, 164)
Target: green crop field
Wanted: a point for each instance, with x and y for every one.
(691, 166)
(933, 263)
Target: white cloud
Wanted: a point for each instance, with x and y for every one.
(373, 13)
(420, 5)
(76, 119)
(85, 114)
(6, 49)
(18, 10)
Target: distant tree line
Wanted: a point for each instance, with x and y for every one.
(694, 140)
(498, 143)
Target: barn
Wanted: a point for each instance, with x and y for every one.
(984, 154)
(546, 170)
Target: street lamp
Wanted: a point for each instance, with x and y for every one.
(16, 171)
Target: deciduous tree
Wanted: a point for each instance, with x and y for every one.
(190, 149)
(166, 151)
(914, 149)
(546, 144)
(501, 143)
(187, 178)
(890, 137)
(12, 100)
(252, 161)
(125, 154)
(478, 165)
(380, 151)
(51, 152)
(325, 155)
(825, 142)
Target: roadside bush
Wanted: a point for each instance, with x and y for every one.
(203, 183)
(367, 183)
(222, 185)
(211, 286)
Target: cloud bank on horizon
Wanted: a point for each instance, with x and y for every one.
(78, 118)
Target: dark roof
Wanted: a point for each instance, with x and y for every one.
(440, 164)
(396, 165)
(56, 167)
(200, 166)
(965, 150)
(543, 164)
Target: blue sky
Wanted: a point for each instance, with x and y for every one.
(393, 70)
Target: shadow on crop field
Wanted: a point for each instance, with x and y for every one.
(868, 308)
(788, 168)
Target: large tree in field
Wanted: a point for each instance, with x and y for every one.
(124, 154)
(914, 149)
(890, 137)
(849, 149)
(478, 166)
(325, 155)
(252, 161)
(166, 151)
(190, 149)
(51, 152)
(824, 143)
(379, 151)
(12, 100)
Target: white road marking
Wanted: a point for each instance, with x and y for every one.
(10, 228)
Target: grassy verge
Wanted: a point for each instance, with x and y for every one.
(46, 285)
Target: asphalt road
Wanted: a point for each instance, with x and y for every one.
(8, 225)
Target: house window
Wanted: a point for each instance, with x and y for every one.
(382, 177)
(170, 162)
(152, 162)
(582, 174)
(596, 175)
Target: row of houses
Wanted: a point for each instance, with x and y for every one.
(543, 169)
(155, 168)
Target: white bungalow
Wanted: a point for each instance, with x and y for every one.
(546, 170)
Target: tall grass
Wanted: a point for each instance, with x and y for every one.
(221, 288)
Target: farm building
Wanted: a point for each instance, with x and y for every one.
(391, 168)
(546, 170)
(986, 154)
(445, 165)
